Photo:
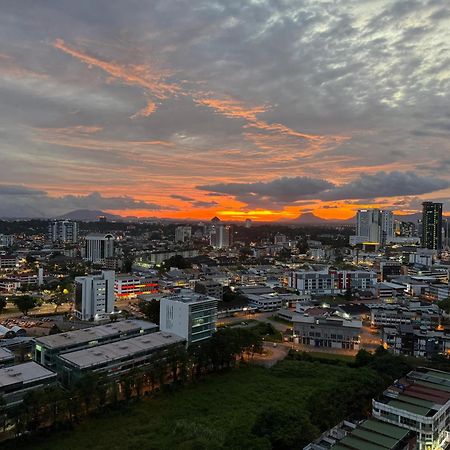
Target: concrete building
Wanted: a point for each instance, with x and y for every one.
(419, 402)
(17, 381)
(432, 225)
(210, 288)
(133, 285)
(183, 233)
(374, 225)
(94, 296)
(99, 247)
(46, 349)
(368, 434)
(221, 236)
(328, 332)
(6, 357)
(330, 282)
(7, 240)
(63, 231)
(114, 359)
(188, 314)
(8, 262)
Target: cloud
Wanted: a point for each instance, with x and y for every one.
(286, 190)
(21, 201)
(282, 191)
(386, 184)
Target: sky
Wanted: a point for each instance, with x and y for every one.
(261, 109)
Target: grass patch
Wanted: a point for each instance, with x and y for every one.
(222, 406)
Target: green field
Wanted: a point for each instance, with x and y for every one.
(213, 414)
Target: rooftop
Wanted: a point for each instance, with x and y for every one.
(372, 435)
(73, 338)
(114, 351)
(24, 373)
(5, 355)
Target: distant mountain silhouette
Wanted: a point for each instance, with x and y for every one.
(88, 215)
(312, 219)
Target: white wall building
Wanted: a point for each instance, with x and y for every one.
(99, 247)
(64, 231)
(221, 236)
(94, 296)
(374, 226)
(183, 233)
(189, 315)
(6, 240)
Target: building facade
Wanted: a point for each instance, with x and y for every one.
(63, 231)
(99, 247)
(432, 225)
(190, 315)
(94, 296)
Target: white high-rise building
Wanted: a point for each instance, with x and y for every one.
(94, 296)
(221, 236)
(189, 315)
(183, 233)
(64, 231)
(374, 226)
(99, 247)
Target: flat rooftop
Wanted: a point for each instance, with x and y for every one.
(24, 373)
(114, 351)
(5, 355)
(190, 297)
(372, 435)
(79, 337)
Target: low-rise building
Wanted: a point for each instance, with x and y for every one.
(210, 288)
(330, 282)
(6, 357)
(47, 348)
(17, 381)
(131, 286)
(328, 332)
(419, 402)
(116, 358)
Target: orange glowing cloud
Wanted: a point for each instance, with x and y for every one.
(152, 79)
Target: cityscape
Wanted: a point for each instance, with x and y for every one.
(225, 225)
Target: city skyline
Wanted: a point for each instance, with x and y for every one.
(261, 110)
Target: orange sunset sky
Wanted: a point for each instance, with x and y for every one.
(249, 109)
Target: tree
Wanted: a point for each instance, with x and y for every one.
(24, 303)
(177, 261)
(150, 309)
(284, 429)
(2, 304)
(445, 305)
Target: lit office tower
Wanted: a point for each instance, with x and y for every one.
(99, 247)
(64, 231)
(432, 225)
(375, 225)
(94, 296)
(183, 233)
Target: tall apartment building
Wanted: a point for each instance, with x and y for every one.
(183, 233)
(63, 231)
(99, 247)
(374, 226)
(221, 236)
(189, 315)
(94, 296)
(432, 225)
(6, 240)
